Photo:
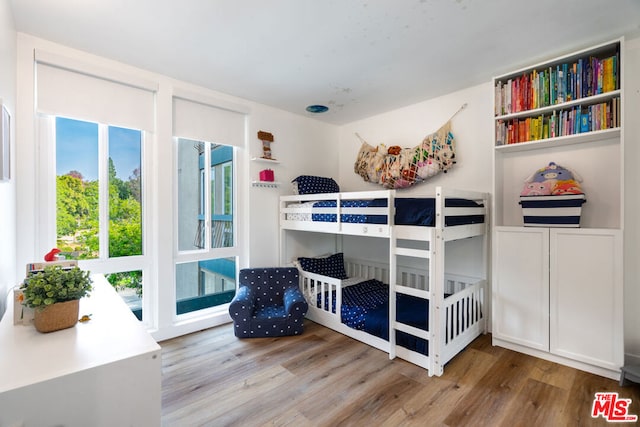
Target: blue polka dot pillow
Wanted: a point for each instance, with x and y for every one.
(331, 266)
(307, 184)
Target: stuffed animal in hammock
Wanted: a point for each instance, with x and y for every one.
(445, 157)
(427, 168)
(369, 163)
(402, 167)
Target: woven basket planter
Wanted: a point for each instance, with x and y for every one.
(61, 315)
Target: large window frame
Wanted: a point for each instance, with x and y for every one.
(46, 235)
(211, 172)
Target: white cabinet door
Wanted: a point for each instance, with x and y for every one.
(521, 286)
(586, 296)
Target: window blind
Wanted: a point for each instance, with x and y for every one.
(71, 88)
(203, 121)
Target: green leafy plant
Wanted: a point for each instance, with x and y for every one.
(55, 284)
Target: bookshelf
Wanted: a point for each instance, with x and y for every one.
(566, 110)
(575, 94)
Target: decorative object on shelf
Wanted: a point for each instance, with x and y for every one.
(52, 255)
(552, 197)
(267, 139)
(397, 167)
(5, 143)
(552, 180)
(54, 294)
(266, 175)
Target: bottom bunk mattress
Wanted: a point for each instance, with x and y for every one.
(365, 306)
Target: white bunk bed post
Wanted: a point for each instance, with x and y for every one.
(485, 265)
(339, 211)
(393, 273)
(437, 319)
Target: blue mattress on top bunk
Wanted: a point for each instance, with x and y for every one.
(409, 211)
(365, 306)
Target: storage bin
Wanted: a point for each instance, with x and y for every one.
(266, 175)
(552, 211)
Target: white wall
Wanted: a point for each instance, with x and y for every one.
(301, 146)
(8, 188)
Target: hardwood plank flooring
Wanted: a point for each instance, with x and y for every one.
(323, 378)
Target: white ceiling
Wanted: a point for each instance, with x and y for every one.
(358, 57)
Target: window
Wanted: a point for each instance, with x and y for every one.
(99, 198)
(205, 273)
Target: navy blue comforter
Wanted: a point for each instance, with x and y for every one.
(365, 306)
(409, 211)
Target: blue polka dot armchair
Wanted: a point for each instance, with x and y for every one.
(268, 303)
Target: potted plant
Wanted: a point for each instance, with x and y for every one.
(54, 293)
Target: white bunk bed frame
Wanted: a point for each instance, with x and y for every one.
(454, 321)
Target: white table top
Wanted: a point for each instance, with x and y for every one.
(113, 333)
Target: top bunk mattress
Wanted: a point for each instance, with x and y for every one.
(408, 211)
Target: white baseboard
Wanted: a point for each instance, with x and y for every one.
(631, 359)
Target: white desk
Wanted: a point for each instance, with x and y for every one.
(105, 372)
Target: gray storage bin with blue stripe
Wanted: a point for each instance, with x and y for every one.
(552, 197)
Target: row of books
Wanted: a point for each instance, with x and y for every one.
(36, 267)
(579, 119)
(557, 84)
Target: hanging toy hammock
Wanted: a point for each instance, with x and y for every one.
(398, 167)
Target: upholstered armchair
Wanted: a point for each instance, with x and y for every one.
(268, 303)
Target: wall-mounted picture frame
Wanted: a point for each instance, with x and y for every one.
(5, 143)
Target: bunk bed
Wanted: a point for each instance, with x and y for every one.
(434, 315)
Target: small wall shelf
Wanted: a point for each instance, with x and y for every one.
(265, 184)
(263, 160)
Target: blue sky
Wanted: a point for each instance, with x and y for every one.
(77, 149)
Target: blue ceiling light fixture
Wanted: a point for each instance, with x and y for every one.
(317, 109)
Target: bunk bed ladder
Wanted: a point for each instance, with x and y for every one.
(435, 292)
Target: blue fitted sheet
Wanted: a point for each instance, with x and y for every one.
(365, 306)
(409, 211)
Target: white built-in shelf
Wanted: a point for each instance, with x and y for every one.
(594, 99)
(578, 138)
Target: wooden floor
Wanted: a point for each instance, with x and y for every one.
(323, 378)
